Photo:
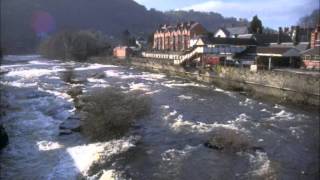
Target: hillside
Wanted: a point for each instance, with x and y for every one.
(311, 20)
(20, 34)
(212, 21)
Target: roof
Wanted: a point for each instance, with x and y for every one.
(179, 26)
(238, 30)
(249, 51)
(228, 41)
(278, 51)
(265, 39)
(225, 31)
(311, 52)
(302, 46)
(246, 36)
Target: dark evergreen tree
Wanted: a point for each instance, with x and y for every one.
(256, 25)
(150, 40)
(125, 39)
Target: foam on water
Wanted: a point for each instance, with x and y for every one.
(94, 80)
(181, 125)
(173, 84)
(184, 97)
(93, 67)
(261, 166)
(17, 58)
(41, 62)
(246, 102)
(112, 73)
(138, 86)
(48, 145)
(177, 123)
(283, 115)
(85, 155)
(175, 154)
(19, 84)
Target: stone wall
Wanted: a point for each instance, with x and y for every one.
(281, 86)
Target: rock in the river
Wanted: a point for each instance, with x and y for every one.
(100, 75)
(78, 81)
(3, 71)
(63, 132)
(72, 123)
(229, 139)
(78, 103)
(75, 91)
(4, 139)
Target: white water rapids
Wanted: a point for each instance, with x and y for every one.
(167, 145)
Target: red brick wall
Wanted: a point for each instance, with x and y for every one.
(178, 39)
(315, 37)
(121, 52)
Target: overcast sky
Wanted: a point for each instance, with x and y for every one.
(273, 13)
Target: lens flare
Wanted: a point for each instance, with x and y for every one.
(42, 23)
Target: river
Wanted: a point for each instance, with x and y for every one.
(167, 144)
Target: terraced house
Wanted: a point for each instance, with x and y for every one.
(176, 37)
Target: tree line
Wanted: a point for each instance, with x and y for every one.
(74, 45)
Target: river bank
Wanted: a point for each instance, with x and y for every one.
(297, 89)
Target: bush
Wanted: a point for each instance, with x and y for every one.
(229, 139)
(68, 75)
(109, 113)
(74, 92)
(77, 45)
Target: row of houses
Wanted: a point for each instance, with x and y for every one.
(296, 47)
(189, 44)
(177, 37)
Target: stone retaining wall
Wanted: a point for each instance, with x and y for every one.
(281, 86)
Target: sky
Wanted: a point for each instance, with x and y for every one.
(273, 13)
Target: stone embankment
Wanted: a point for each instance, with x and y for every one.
(283, 86)
(280, 86)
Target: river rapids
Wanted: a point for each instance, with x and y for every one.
(167, 144)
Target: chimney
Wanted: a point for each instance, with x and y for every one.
(296, 38)
(280, 35)
(286, 30)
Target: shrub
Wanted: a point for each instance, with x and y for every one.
(74, 92)
(109, 113)
(68, 75)
(229, 139)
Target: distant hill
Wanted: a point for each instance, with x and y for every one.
(20, 33)
(212, 21)
(311, 20)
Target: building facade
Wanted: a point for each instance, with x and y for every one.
(315, 37)
(122, 52)
(311, 57)
(177, 37)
